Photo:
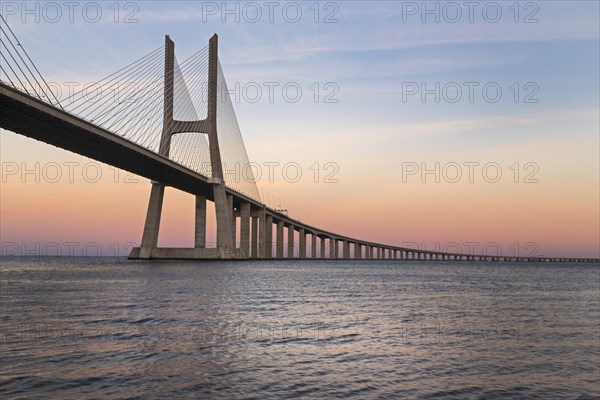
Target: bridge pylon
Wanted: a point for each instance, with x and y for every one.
(225, 232)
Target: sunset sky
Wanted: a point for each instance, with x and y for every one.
(378, 132)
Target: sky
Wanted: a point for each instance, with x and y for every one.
(418, 124)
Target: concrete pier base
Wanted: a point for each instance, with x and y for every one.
(173, 253)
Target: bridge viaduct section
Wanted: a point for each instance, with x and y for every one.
(246, 228)
(262, 231)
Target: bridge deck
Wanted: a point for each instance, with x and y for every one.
(31, 117)
(34, 118)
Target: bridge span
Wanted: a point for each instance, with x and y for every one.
(262, 229)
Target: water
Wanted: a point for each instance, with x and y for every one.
(75, 329)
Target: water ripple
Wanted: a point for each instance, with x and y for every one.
(258, 330)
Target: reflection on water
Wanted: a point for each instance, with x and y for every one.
(312, 329)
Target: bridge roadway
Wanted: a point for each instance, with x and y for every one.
(29, 116)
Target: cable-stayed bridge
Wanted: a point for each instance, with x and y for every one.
(174, 123)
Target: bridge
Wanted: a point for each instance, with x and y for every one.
(174, 124)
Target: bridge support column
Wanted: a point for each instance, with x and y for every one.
(313, 245)
(290, 252)
(152, 225)
(200, 226)
(346, 250)
(333, 248)
(357, 251)
(231, 210)
(245, 229)
(254, 249)
(262, 238)
(279, 239)
(268, 237)
(322, 254)
(302, 238)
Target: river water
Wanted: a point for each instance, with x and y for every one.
(115, 329)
